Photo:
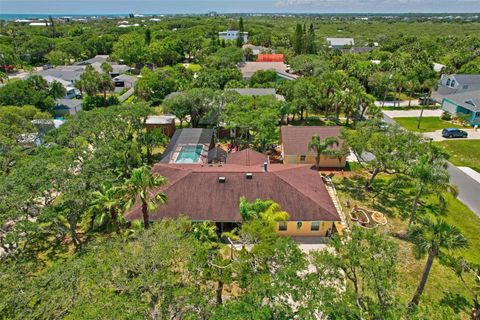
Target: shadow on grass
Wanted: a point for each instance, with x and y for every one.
(455, 301)
(383, 197)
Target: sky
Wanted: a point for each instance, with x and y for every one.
(235, 6)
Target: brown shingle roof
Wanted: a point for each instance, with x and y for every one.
(194, 190)
(247, 157)
(295, 139)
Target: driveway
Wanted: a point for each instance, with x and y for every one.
(437, 135)
(412, 113)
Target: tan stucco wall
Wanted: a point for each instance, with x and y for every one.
(293, 231)
(325, 162)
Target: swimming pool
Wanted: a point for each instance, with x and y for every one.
(189, 154)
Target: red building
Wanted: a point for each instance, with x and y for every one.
(262, 57)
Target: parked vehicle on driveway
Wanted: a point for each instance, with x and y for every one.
(454, 133)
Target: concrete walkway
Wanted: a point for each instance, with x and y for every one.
(412, 113)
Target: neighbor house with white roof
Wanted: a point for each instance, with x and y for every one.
(232, 35)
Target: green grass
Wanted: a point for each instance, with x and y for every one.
(444, 289)
(463, 153)
(428, 124)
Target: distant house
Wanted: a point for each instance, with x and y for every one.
(212, 193)
(232, 35)
(125, 81)
(270, 57)
(166, 123)
(67, 107)
(340, 43)
(97, 59)
(294, 144)
(466, 103)
(189, 146)
(248, 69)
(71, 92)
(66, 73)
(438, 67)
(117, 69)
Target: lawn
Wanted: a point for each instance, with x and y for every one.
(428, 124)
(463, 153)
(443, 287)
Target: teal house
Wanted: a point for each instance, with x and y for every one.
(466, 103)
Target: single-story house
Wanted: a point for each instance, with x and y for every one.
(340, 43)
(66, 73)
(467, 103)
(212, 193)
(97, 59)
(71, 92)
(232, 35)
(117, 69)
(189, 146)
(65, 107)
(249, 68)
(294, 145)
(165, 122)
(125, 81)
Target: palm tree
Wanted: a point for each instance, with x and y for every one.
(321, 147)
(431, 237)
(140, 185)
(106, 207)
(430, 173)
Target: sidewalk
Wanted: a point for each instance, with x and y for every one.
(412, 113)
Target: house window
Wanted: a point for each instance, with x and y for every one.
(303, 158)
(315, 226)
(299, 225)
(448, 82)
(453, 83)
(465, 87)
(282, 226)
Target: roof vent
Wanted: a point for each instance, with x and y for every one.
(221, 179)
(249, 175)
(265, 166)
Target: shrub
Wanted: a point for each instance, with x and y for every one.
(446, 116)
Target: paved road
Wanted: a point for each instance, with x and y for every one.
(468, 188)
